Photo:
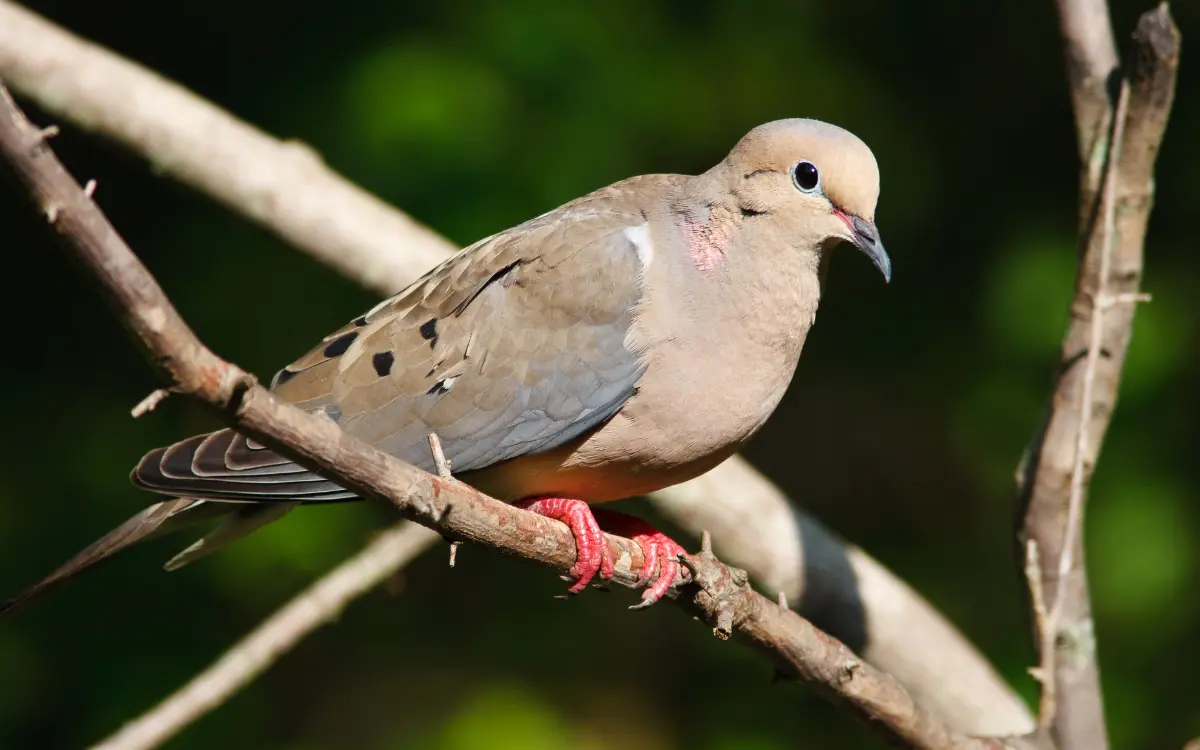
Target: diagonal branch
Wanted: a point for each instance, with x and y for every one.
(286, 189)
(720, 595)
(1118, 142)
(245, 170)
(314, 607)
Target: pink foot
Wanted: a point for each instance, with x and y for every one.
(657, 548)
(592, 555)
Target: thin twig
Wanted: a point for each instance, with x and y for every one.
(153, 399)
(1095, 340)
(1044, 673)
(1128, 298)
(757, 527)
(439, 456)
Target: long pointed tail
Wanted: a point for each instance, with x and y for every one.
(157, 519)
(222, 474)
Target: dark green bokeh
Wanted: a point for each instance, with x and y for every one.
(907, 417)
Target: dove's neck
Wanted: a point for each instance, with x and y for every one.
(726, 315)
(744, 280)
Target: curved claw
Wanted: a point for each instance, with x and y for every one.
(650, 564)
(655, 547)
(660, 553)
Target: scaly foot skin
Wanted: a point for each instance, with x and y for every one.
(656, 547)
(592, 555)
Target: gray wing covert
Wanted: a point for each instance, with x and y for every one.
(511, 356)
(514, 346)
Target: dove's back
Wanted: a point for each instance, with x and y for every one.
(517, 345)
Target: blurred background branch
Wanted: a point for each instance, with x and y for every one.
(312, 608)
(285, 187)
(1115, 201)
(1091, 55)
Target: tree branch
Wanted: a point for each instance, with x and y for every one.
(719, 595)
(848, 594)
(1091, 55)
(315, 606)
(755, 525)
(1115, 200)
(244, 170)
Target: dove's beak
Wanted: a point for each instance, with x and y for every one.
(866, 237)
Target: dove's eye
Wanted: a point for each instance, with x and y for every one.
(806, 177)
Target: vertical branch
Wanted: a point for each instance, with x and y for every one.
(1118, 145)
(1091, 54)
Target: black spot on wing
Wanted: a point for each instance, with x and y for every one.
(429, 332)
(360, 321)
(383, 363)
(438, 389)
(338, 346)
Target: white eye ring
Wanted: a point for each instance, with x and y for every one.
(806, 177)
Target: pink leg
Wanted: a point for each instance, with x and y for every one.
(592, 555)
(657, 548)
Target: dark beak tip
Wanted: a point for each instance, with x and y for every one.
(882, 261)
(867, 238)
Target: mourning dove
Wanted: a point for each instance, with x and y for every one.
(629, 340)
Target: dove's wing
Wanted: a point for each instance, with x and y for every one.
(514, 346)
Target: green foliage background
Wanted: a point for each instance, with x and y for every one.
(902, 430)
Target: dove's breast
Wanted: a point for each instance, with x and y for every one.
(719, 354)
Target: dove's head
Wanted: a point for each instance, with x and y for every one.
(819, 181)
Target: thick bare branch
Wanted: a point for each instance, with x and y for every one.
(719, 595)
(244, 168)
(1115, 207)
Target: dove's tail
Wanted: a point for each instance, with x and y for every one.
(153, 521)
(161, 518)
(255, 485)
